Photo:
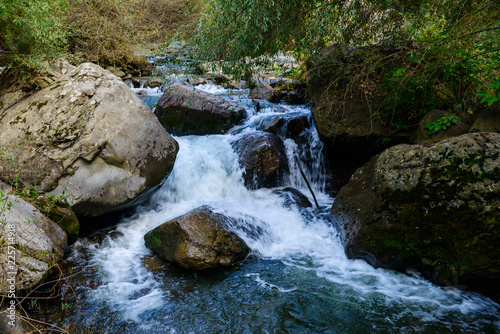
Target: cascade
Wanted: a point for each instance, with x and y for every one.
(297, 278)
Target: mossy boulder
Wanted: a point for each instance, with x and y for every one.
(424, 136)
(262, 156)
(60, 212)
(183, 110)
(435, 207)
(348, 98)
(200, 239)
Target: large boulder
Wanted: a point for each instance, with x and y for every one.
(424, 136)
(435, 207)
(200, 239)
(183, 110)
(262, 156)
(347, 99)
(31, 244)
(89, 136)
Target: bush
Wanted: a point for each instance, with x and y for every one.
(32, 31)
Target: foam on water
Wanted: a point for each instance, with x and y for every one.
(207, 172)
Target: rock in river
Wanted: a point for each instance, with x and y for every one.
(199, 239)
(87, 135)
(183, 110)
(435, 207)
(262, 155)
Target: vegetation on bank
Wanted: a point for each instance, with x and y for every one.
(451, 56)
(109, 32)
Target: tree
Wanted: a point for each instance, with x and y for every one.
(32, 30)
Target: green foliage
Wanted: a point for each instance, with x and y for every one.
(493, 95)
(449, 48)
(441, 124)
(32, 30)
(110, 31)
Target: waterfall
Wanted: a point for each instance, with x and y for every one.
(297, 278)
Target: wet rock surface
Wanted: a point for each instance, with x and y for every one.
(183, 110)
(435, 206)
(200, 239)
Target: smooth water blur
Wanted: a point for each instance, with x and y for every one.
(296, 280)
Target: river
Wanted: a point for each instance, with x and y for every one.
(297, 278)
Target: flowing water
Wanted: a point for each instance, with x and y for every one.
(296, 280)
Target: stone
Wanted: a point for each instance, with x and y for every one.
(262, 156)
(116, 71)
(200, 239)
(422, 135)
(31, 244)
(89, 136)
(153, 83)
(13, 90)
(262, 92)
(343, 111)
(58, 210)
(294, 197)
(435, 207)
(183, 110)
(488, 120)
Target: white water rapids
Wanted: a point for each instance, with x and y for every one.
(304, 243)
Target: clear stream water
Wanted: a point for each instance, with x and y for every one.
(296, 280)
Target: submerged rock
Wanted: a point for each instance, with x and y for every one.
(87, 135)
(200, 239)
(31, 244)
(263, 158)
(183, 110)
(436, 207)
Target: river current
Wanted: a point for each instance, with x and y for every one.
(296, 280)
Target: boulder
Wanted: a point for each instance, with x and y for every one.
(58, 210)
(183, 110)
(262, 156)
(87, 135)
(262, 92)
(200, 239)
(488, 120)
(153, 83)
(347, 101)
(140, 66)
(434, 206)
(13, 90)
(422, 135)
(31, 244)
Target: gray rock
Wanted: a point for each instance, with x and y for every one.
(435, 207)
(262, 92)
(200, 239)
(263, 158)
(13, 90)
(35, 242)
(182, 110)
(89, 135)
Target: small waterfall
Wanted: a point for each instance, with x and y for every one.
(298, 278)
